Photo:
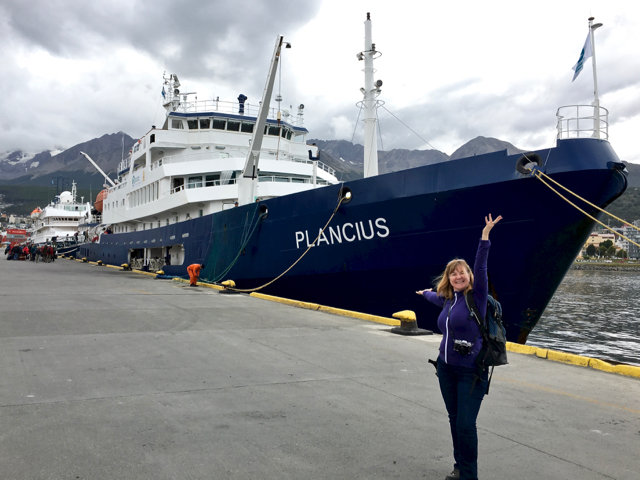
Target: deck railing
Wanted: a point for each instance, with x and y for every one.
(234, 108)
(583, 121)
(192, 157)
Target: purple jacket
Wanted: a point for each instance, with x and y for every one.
(455, 322)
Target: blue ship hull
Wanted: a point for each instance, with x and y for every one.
(398, 233)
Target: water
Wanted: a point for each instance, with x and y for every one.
(595, 314)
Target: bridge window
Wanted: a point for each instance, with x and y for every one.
(274, 130)
(210, 180)
(193, 124)
(219, 124)
(204, 123)
(195, 182)
(233, 126)
(177, 124)
(247, 127)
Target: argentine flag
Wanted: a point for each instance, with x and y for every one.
(584, 55)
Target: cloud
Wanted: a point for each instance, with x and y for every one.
(77, 70)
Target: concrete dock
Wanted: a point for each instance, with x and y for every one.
(106, 374)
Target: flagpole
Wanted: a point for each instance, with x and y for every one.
(596, 100)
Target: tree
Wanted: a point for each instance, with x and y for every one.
(621, 253)
(606, 243)
(591, 250)
(611, 251)
(602, 251)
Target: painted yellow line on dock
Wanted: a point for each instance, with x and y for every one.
(322, 308)
(200, 284)
(579, 360)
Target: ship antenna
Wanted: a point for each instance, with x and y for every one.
(370, 91)
(596, 100)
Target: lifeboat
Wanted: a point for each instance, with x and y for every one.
(36, 213)
(100, 199)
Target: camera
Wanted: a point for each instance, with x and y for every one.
(462, 347)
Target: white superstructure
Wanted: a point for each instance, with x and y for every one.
(60, 218)
(190, 167)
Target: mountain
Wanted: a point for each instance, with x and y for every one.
(51, 168)
(480, 145)
(347, 158)
(106, 151)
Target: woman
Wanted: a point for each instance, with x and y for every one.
(461, 342)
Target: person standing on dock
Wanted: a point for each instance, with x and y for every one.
(194, 273)
(461, 343)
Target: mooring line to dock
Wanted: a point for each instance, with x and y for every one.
(536, 172)
(335, 210)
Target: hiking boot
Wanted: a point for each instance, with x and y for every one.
(455, 475)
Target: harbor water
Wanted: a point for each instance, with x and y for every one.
(594, 313)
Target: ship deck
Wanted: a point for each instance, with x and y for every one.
(108, 374)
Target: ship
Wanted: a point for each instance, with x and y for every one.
(58, 222)
(236, 187)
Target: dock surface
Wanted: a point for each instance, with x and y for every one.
(106, 374)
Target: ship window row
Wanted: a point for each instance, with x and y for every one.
(75, 208)
(144, 195)
(50, 220)
(112, 205)
(159, 223)
(232, 126)
(227, 177)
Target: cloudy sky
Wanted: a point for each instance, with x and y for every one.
(74, 70)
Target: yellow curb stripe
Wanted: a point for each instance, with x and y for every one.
(322, 308)
(286, 301)
(361, 316)
(200, 284)
(579, 360)
(144, 273)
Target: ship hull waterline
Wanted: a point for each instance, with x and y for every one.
(398, 233)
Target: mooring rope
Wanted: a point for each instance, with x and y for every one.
(335, 210)
(539, 174)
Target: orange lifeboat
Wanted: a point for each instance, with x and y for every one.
(36, 213)
(100, 199)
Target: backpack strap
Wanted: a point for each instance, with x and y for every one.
(475, 313)
(473, 308)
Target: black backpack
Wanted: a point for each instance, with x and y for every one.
(494, 337)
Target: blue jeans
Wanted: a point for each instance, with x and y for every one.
(463, 407)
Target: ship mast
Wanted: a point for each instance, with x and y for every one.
(370, 91)
(248, 181)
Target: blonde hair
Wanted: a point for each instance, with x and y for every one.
(443, 285)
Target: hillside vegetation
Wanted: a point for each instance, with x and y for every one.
(627, 207)
(24, 199)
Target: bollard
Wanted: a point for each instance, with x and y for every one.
(126, 266)
(84, 260)
(227, 286)
(408, 324)
(99, 262)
